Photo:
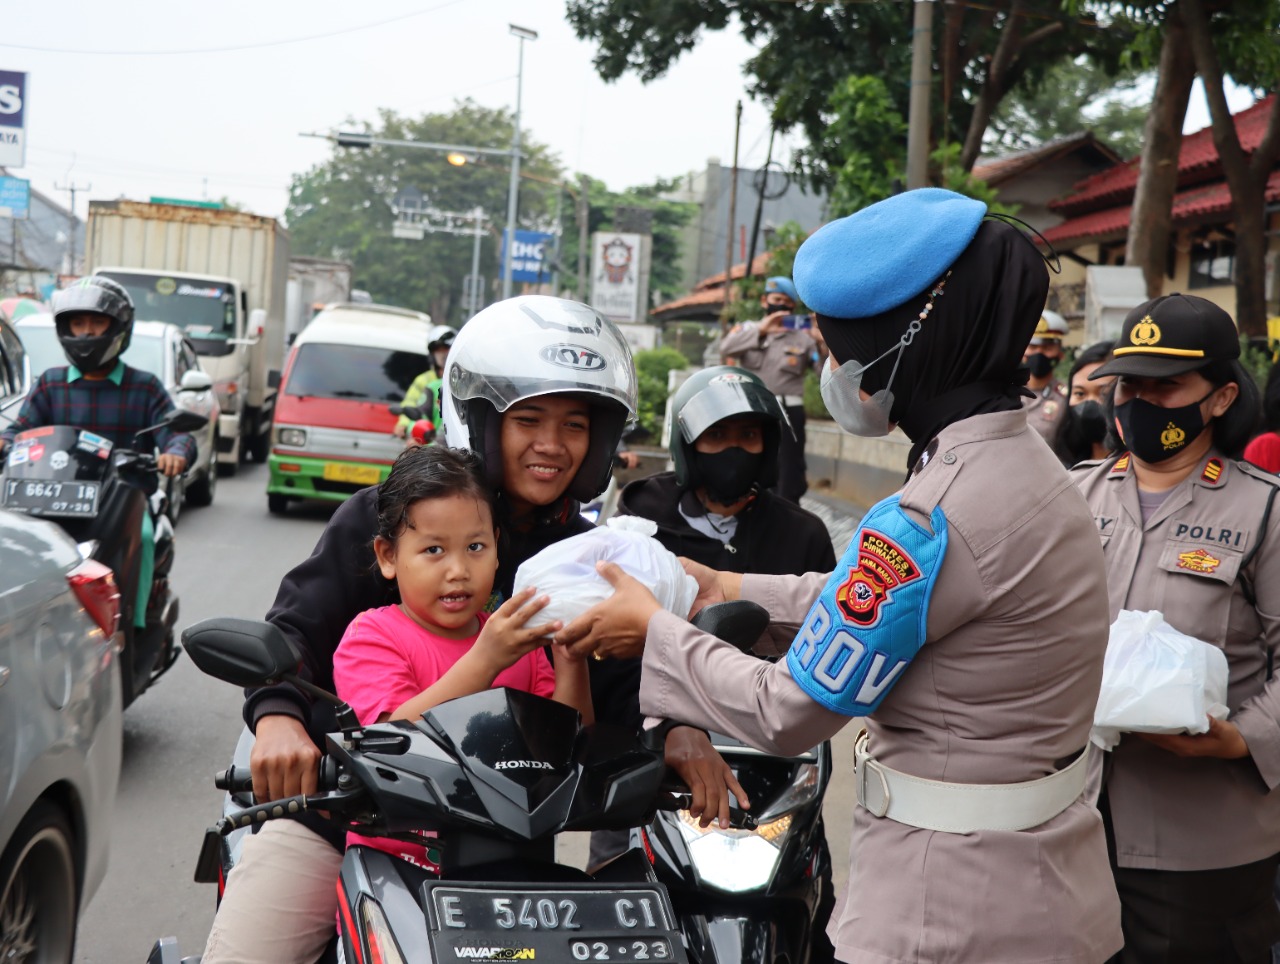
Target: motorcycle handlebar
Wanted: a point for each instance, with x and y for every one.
(240, 779)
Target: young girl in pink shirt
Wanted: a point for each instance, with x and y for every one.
(436, 539)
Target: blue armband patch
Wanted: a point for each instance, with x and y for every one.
(870, 620)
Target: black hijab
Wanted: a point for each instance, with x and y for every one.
(966, 359)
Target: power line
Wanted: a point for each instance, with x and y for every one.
(220, 50)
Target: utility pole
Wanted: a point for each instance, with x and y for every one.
(71, 189)
(918, 118)
(733, 216)
(476, 288)
(513, 192)
(584, 233)
(555, 265)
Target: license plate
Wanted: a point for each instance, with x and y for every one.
(588, 924)
(360, 474)
(43, 497)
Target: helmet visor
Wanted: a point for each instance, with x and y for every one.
(503, 391)
(725, 398)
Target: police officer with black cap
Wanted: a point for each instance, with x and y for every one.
(1187, 529)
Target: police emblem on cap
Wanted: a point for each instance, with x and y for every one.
(1145, 332)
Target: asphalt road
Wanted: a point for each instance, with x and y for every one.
(230, 557)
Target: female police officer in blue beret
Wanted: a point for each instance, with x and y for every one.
(1190, 531)
(948, 624)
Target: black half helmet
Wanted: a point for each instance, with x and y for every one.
(712, 395)
(97, 296)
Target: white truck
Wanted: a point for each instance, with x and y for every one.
(222, 276)
(313, 283)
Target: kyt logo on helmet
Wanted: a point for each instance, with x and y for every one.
(575, 357)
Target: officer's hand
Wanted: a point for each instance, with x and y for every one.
(772, 323)
(689, 752)
(713, 586)
(170, 465)
(401, 430)
(284, 761)
(1223, 741)
(615, 628)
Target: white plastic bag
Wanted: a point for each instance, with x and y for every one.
(566, 570)
(1156, 679)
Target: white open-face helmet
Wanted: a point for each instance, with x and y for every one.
(536, 345)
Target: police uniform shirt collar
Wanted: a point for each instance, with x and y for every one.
(116, 377)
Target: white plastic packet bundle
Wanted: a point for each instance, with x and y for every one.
(566, 570)
(1156, 679)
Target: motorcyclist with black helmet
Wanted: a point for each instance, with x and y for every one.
(97, 392)
(541, 389)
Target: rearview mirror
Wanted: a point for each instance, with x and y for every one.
(740, 622)
(195, 381)
(245, 652)
(180, 420)
(412, 412)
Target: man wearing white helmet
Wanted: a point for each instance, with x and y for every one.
(540, 388)
(1049, 406)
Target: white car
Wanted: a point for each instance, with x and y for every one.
(162, 349)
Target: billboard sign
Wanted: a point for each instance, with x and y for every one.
(530, 258)
(15, 198)
(615, 275)
(13, 118)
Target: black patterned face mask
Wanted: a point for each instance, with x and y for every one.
(1154, 434)
(729, 474)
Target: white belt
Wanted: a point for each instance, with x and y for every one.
(792, 400)
(963, 807)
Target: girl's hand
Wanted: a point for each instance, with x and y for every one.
(1223, 741)
(689, 752)
(507, 634)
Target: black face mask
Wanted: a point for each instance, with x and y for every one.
(1154, 434)
(727, 475)
(1090, 421)
(1041, 365)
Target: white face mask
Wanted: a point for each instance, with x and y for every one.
(841, 391)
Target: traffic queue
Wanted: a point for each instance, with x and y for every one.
(422, 727)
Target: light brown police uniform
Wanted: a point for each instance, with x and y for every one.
(780, 358)
(1197, 560)
(1047, 409)
(1002, 692)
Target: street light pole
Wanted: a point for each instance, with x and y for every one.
(475, 263)
(513, 192)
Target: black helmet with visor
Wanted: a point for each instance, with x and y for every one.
(93, 296)
(713, 395)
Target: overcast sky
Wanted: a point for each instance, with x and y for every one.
(138, 124)
(131, 121)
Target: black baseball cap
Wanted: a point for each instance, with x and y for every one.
(1172, 335)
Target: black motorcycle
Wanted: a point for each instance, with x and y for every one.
(751, 893)
(497, 775)
(98, 493)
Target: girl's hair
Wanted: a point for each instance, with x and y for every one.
(1236, 426)
(427, 472)
(1068, 443)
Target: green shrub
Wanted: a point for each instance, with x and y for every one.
(652, 366)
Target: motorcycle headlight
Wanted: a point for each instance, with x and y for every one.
(293, 437)
(382, 946)
(734, 860)
(804, 788)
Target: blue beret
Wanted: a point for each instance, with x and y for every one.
(782, 285)
(885, 254)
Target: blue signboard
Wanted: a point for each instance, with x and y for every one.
(13, 118)
(15, 198)
(530, 258)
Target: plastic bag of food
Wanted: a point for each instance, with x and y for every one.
(1156, 679)
(566, 570)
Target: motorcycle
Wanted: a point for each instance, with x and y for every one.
(98, 494)
(423, 430)
(497, 774)
(756, 893)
